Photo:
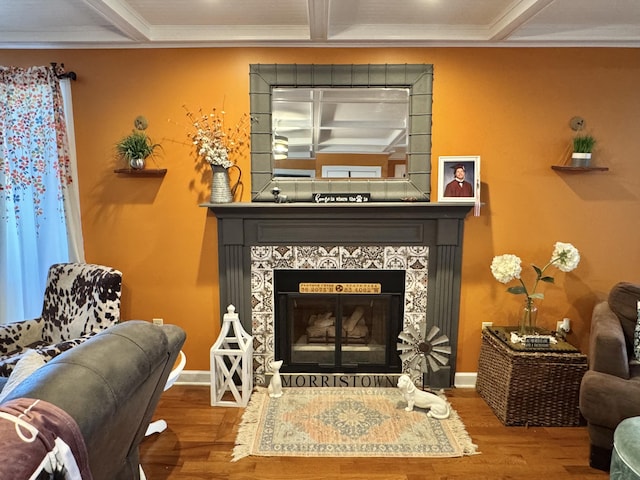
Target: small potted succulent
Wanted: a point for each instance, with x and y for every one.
(135, 148)
(582, 149)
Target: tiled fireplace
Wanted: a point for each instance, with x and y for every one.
(420, 243)
(381, 319)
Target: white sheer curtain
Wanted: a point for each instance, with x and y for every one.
(39, 208)
(72, 195)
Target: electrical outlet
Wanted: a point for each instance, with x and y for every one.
(563, 325)
(487, 324)
(158, 321)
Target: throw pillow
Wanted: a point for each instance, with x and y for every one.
(28, 363)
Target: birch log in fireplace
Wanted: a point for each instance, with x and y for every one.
(422, 241)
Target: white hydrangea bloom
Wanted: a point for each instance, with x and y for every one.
(211, 148)
(565, 256)
(506, 267)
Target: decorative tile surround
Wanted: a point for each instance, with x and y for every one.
(265, 259)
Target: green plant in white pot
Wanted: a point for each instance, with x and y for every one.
(582, 149)
(135, 148)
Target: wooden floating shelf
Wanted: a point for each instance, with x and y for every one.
(142, 172)
(569, 168)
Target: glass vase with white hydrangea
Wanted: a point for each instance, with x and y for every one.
(508, 267)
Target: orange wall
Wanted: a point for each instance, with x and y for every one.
(510, 106)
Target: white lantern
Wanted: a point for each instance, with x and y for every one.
(231, 362)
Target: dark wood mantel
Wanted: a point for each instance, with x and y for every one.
(437, 225)
(425, 209)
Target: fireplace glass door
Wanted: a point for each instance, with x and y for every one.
(339, 333)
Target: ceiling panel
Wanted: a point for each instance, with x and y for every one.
(33, 15)
(416, 12)
(162, 23)
(219, 12)
(594, 22)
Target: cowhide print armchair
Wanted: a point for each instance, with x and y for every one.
(80, 300)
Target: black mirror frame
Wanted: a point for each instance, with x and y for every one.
(417, 78)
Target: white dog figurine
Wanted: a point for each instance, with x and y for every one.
(438, 407)
(275, 385)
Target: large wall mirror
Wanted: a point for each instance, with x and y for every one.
(341, 129)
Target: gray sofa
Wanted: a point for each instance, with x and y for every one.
(610, 390)
(110, 385)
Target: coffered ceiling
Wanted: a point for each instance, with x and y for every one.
(211, 23)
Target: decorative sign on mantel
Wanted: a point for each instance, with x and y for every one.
(341, 197)
(340, 288)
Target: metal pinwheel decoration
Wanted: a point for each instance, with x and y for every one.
(421, 351)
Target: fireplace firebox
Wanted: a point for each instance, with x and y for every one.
(338, 321)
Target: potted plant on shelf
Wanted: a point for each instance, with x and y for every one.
(582, 149)
(135, 148)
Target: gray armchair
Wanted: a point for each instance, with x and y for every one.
(610, 390)
(80, 300)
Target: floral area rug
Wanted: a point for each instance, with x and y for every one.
(345, 422)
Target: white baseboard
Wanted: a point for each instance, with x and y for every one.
(465, 380)
(203, 377)
(194, 377)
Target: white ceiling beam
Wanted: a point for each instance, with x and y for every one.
(514, 17)
(123, 17)
(318, 19)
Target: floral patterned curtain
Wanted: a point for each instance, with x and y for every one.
(35, 173)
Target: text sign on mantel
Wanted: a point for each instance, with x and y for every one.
(341, 197)
(341, 288)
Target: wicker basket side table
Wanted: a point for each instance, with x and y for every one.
(530, 388)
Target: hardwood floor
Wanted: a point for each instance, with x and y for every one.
(199, 440)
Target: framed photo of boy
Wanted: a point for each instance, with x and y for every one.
(459, 179)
